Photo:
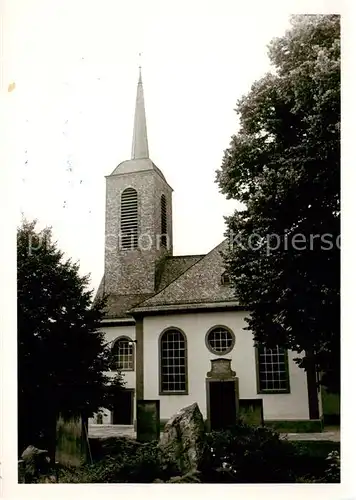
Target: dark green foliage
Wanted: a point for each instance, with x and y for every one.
(190, 477)
(61, 352)
(283, 166)
(332, 473)
(113, 447)
(311, 463)
(245, 454)
(130, 462)
(248, 454)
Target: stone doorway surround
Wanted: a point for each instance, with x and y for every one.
(220, 372)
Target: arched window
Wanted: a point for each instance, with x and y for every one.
(163, 221)
(123, 354)
(129, 220)
(173, 362)
(220, 340)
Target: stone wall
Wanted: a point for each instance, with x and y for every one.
(133, 271)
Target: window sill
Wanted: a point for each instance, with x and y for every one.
(172, 393)
(121, 370)
(274, 391)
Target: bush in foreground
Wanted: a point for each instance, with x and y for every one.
(243, 454)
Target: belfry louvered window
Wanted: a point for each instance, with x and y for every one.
(163, 221)
(129, 220)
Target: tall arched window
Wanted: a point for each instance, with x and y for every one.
(163, 221)
(173, 362)
(129, 220)
(123, 354)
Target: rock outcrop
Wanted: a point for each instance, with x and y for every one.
(183, 440)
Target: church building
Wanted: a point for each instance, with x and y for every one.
(174, 324)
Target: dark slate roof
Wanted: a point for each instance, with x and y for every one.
(182, 281)
(171, 267)
(200, 283)
(137, 165)
(119, 305)
(166, 271)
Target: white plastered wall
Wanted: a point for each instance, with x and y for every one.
(293, 406)
(111, 334)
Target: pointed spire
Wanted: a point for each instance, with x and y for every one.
(139, 139)
(140, 75)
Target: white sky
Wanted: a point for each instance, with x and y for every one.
(75, 68)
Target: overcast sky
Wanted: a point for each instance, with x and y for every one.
(75, 66)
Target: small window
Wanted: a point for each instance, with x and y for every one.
(123, 354)
(129, 220)
(225, 279)
(220, 340)
(163, 221)
(173, 362)
(272, 366)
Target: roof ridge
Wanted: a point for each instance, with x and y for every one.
(184, 256)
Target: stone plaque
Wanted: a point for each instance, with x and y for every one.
(221, 369)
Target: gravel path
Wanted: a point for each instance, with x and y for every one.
(106, 431)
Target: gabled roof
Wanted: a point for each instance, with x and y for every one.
(183, 282)
(199, 284)
(167, 270)
(118, 306)
(170, 268)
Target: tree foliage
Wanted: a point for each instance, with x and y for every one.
(283, 165)
(62, 356)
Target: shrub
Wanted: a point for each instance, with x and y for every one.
(251, 454)
(142, 467)
(332, 473)
(248, 454)
(190, 477)
(112, 447)
(243, 454)
(136, 463)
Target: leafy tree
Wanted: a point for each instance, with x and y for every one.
(62, 356)
(283, 165)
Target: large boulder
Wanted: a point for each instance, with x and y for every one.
(183, 440)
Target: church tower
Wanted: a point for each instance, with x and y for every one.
(138, 226)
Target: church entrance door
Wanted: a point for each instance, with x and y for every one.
(123, 408)
(223, 409)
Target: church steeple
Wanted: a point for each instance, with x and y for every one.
(139, 139)
(138, 222)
